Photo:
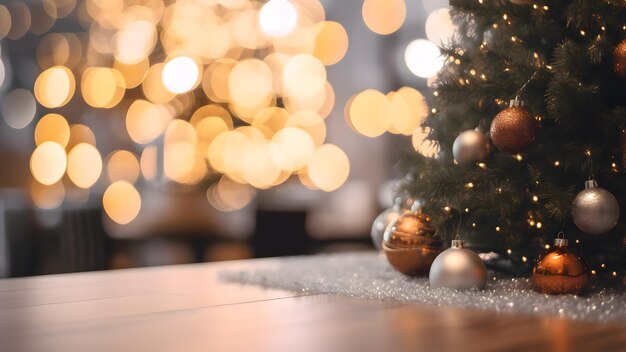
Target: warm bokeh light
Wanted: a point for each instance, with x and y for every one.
(52, 128)
(291, 148)
(122, 165)
(329, 168)
(226, 151)
(331, 42)
(59, 49)
(271, 120)
(59, 8)
(369, 113)
(250, 84)
(20, 20)
(178, 160)
(135, 42)
(80, 134)
(145, 121)
(102, 87)
(19, 108)
(121, 202)
(262, 66)
(311, 122)
(418, 109)
(84, 165)
(215, 80)
(278, 18)
(180, 74)
(244, 27)
(423, 58)
(55, 87)
(48, 162)
(47, 196)
(258, 168)
(148, 162)
(153, 87)
(399, 113)
(179, 152)
(300, 41)
(304, 83)
(5, 21)
(2, 72)
(384, 16)
(134, 74)
(439, 26)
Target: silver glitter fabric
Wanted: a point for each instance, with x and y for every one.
(368, 275)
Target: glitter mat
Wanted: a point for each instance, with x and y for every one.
(368, 275)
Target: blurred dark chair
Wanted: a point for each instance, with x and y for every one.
(279, 233)
(83, 244)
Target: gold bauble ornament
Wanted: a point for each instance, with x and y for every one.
(619, 59)
(410, 243)
(513, 129)
(560, 271)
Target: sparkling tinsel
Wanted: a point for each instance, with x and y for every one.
(368, 275)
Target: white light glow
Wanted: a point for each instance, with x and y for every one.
(180, 74)
(278, 18)
(423, 58)
(439, 26)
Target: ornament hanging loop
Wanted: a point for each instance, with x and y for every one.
(560, 240)
(519, 92)
(517, 102)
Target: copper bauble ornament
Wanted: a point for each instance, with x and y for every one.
(560, 271)
(383, 220)
(470, 147)
(514, 128)
(459, 268)
(410, 243)
(595, 210)
(619, 59)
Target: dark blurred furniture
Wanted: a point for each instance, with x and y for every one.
(187, 308)
(280, 233)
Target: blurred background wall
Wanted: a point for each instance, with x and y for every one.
(63, 228)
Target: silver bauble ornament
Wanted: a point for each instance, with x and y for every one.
(459, 268)
(470, 147)
(595, 210)
(383, 220)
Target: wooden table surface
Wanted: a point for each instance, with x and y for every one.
(187, 308)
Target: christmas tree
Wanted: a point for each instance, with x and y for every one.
(515, 177)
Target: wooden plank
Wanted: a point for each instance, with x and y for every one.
(187, 308)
